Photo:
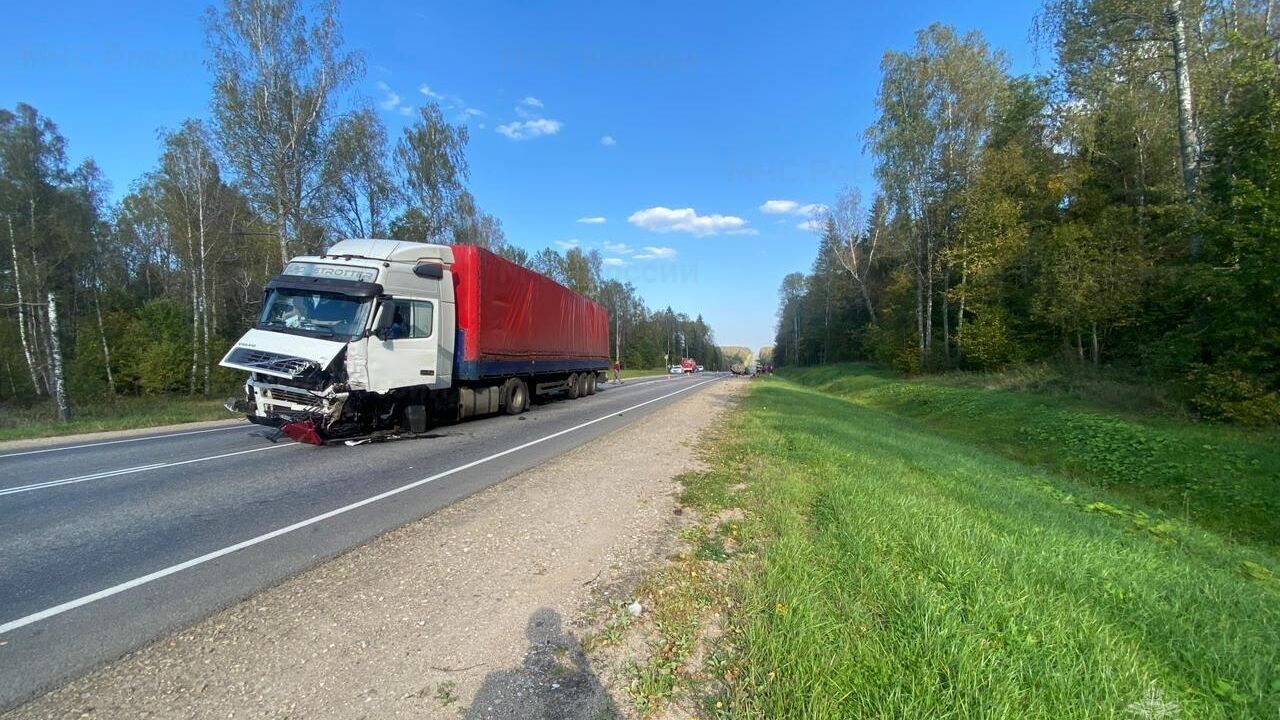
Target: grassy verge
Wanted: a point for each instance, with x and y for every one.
(20, 423)
(1224, 478)
(640, 373)
(903, 560)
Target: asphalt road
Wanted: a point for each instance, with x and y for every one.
(107, 546)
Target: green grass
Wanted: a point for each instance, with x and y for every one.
(1224, 478)
(629, 373)
(902, 560)
(40, 420)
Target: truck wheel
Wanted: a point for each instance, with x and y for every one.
(575, 387)
(517, 397)
(582, 385)
(591, 383)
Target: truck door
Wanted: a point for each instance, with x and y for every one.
(406, 355)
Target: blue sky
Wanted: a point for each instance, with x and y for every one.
(675, 123)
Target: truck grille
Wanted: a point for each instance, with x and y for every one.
(293, 396)
(269, 361)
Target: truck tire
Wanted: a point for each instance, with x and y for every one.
(575, 387)
(582, 385)
(517, 397)
(591, 383)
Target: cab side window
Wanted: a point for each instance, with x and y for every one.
(422, 319)
(411, 319)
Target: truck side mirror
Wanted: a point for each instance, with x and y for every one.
(386, 316)
(431, 271)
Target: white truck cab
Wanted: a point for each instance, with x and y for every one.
(373, 316)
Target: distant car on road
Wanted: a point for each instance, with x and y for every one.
(675, 370)
(699, 369)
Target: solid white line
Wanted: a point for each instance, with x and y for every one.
(193, 562)
(116, 442)
(129, 471)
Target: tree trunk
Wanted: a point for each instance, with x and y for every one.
(280, 225)
(102, 333)
(195, 314)
(866, 299)
(826, 323)
(1188, 140)
(928, 309)
(1273, 37)
(946, 315)
(55, 362)
(204, 294)
(924, 360)
(22, 312)
(1097, 351)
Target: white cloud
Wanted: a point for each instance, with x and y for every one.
(620, 248)
(778, 207)
(812, 225)
(568, 244)
(390, 100)
(791, 207)
(592, 220)
(528, 129)
(531, 101)
(613, 262)
(406, 110)
(608, 141)
(663, 219)
(474, 111)
(426, 90)
(652, 252)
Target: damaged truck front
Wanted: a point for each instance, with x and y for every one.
(361, 341)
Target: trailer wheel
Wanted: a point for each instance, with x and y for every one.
(517, 397)
(582, 385)
(591, 383)
(575, 387)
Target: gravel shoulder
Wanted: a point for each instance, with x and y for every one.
(470, 612)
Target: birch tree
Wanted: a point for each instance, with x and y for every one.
(935, 107)
(360, 191)
(190, 178)
(276, 78)
(858, 236)
(431, 158)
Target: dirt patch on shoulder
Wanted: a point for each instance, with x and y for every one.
(471, 612)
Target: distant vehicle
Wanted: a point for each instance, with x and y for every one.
(676, 370)
(699, 369)
(375, 336)
(688, 365)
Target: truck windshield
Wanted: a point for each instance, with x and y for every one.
(314, 314)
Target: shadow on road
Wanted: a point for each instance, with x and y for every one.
(554, 681)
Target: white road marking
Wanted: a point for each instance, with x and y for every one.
(116, 442)
(193, 562)
(129, 471)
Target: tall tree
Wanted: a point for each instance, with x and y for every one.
(190, 180)
(360, 191)
(276, 77)
(935, 107)
(856, 239)
(431, 157)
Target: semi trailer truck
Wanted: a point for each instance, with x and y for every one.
(380, 337)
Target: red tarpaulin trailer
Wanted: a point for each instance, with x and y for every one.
(510, 319)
